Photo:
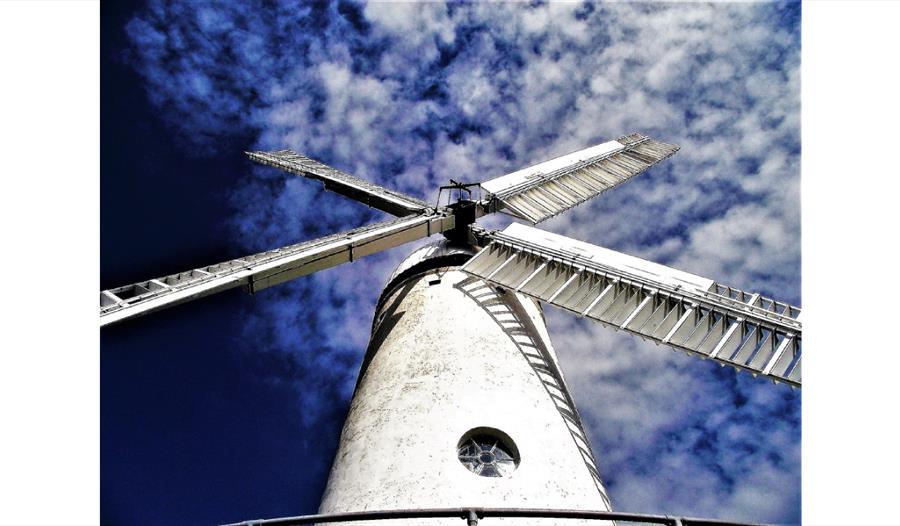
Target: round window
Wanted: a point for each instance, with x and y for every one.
(488, 452)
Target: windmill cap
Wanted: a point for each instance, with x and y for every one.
(438, 249)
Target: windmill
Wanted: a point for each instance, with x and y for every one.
(460, 397)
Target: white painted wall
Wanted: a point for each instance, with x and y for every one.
(445, 367)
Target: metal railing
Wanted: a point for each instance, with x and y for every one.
(473, 515)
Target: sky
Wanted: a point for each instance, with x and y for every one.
(230, 408)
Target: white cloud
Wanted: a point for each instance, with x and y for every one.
(521, 85)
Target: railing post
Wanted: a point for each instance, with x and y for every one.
(473, 518)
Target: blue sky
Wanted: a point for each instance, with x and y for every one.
(409, 96)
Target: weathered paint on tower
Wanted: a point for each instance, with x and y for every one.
(450, 354)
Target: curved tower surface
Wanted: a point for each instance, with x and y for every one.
(460, 401)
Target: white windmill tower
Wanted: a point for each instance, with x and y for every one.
(460, 400)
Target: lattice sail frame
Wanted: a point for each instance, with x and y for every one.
(265, 269)
(658, 303)
(374, 195)
(549, 188)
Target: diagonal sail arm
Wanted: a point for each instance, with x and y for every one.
(265, 269)
(544, 190)
(656, 302)
(376, 196)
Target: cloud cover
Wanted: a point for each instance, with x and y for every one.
(410, 95)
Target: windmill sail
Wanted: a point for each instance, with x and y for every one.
(544, 190)
(656, 302)
(262, 270)
(374, 195)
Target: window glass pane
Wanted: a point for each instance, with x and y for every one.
(489, 453)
